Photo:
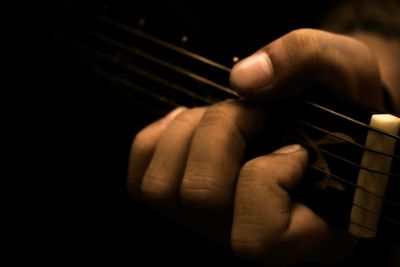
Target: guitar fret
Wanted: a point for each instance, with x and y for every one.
(374, 181)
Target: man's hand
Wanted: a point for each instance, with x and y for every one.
(189, 165)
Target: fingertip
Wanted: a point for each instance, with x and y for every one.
(251, 75)
(289, 149)
(142, 150)
(294, 159)
(172, 114)
(294, 149)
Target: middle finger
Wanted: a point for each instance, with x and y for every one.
(216, 154)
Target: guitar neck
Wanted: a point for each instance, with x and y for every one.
(160, 75)
(352, 162)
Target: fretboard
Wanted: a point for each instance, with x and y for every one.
(159, 75)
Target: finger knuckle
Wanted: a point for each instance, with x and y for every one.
(198, 192)
(186, 118)
(220, 115)
(154, 189)
(196, 197)
(309, 40)
(297, 168)
(140, 143)
(252, 168)
(246, 243)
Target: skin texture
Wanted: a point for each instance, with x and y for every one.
(190, 165)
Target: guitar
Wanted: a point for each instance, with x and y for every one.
(157, 74)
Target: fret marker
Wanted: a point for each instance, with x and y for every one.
(365, 213)
(184, 39)
(235, 59)
(141, 22)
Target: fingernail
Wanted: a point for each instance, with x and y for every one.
(172, 114)
(288, 149)
(252, 73)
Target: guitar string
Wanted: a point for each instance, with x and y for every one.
(176, 68)
(344, 217)
(165, 44)
(221, 87)
(384, 199)
(203, 59)
(165, 82)
(374, 213)
(163, 63)
(157, 60)
(40, 12)
(363, 226)
(158, 79)
(358, 165)
(138, 70)
(384, 217)
(337, 114)
(132, 67)
(346, 181)
(344, 140)
(351, 119)
(118, 79)
(126, 82)
(352, 163)
(37, 11)
(138, 33)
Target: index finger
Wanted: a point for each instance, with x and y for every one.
(216, 154)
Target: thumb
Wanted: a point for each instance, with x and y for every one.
(304, 58)
(268, 227)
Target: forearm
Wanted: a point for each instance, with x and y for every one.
(377, 24)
